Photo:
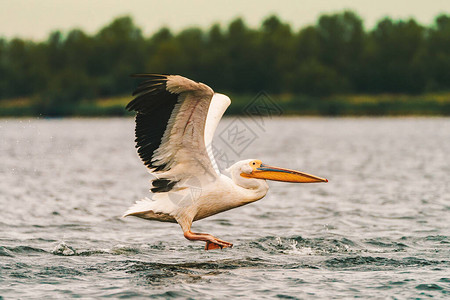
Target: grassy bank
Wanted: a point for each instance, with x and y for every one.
(344, 105)
(28, 107)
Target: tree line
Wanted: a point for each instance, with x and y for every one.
(334, 56)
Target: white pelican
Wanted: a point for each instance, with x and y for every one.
(175, 123)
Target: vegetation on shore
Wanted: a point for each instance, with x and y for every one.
(437, 104)
(334, 67)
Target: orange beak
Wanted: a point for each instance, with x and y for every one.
(279, 174)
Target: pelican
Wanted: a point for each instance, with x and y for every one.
(175, 123)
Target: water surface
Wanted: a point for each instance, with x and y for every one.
(379, 228)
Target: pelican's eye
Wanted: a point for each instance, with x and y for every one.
(253, 163)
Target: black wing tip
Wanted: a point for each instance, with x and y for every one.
(149, 84)
(129, 106)
(148, 75)
(154, 79)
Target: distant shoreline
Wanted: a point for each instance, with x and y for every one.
(436, 104)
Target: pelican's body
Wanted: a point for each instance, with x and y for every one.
(212, 198)
(175, 123)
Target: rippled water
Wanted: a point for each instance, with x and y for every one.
(379, 228)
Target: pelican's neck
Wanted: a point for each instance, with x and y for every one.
(261, 189)
(254, 189)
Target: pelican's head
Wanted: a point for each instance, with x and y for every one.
(254, 168)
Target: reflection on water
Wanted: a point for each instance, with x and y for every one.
(378, 228)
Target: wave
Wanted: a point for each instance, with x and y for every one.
(10, 251)
(64, 249)
(272, 244)
(370, 262)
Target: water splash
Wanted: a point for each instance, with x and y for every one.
(63, 249)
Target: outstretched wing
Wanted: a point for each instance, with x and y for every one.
(170, 128)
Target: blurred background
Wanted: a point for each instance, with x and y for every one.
(74, 58)
(378, 229)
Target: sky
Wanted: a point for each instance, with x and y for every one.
(35, 19)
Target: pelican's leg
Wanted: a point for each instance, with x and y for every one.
(211, 241)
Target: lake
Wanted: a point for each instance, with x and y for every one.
(379, 228)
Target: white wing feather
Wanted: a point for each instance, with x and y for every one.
(217, 108)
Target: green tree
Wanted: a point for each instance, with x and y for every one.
(4, 86)
(396, 58)
(438, 51)
(119, 50)
(242, 51)
(217, 64)
(163, 53)
(333, 56)
(341, 41)
(20, 72)
(276, 54)
(191, 43)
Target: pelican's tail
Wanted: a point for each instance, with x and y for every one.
(150, 210)
(141, 206)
